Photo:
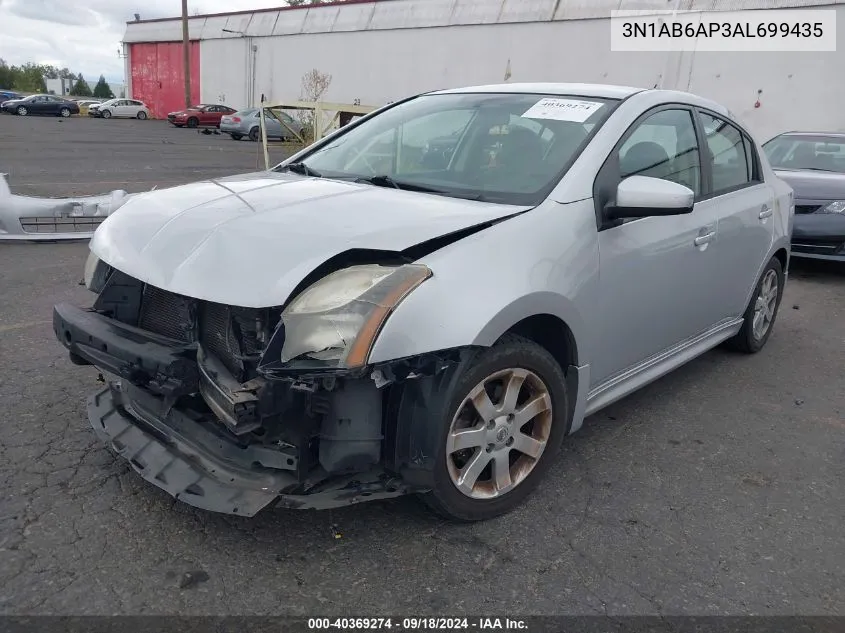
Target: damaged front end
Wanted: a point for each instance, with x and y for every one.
(50, 219)
(231, 409)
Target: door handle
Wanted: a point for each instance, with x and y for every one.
(765, 212)
(704, 239)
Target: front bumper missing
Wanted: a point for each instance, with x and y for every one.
(180, 456)
(186, 452)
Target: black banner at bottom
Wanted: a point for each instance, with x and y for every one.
(421, 624)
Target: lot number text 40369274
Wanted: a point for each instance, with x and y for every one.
(416, 624)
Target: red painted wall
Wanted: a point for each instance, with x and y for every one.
(158, 78)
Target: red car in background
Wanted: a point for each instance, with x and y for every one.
(203, 115)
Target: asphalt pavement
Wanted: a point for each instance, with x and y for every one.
(716, 490)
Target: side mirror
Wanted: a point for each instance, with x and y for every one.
(644, 197)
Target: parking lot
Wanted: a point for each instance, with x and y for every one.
(716, 490)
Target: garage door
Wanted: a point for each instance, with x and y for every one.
(158, 78)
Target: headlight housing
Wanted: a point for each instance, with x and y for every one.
(834, 207)
(96, 273)
(335, 321)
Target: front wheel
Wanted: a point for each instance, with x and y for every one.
(193, 122)
(505, 420)
(106, 114)
(759, 317)
(65, 112)
(22, 111)
(142, 115)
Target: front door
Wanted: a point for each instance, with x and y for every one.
(656, 273)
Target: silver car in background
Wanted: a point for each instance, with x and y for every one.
(373, 318)
(246, 124)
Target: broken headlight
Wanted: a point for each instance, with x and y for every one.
(335, 321)
(96, 273)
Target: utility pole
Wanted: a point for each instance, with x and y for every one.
(186, 54)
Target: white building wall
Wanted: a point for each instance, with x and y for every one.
(384, 51)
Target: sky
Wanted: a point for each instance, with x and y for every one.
(85, 35)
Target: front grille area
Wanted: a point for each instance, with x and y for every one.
(806, 208)
(80, 224)
(167, 313)
(230, 334)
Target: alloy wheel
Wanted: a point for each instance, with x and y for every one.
(765, 305)
(499, 433)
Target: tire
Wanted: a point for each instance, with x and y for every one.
(543, 380)
(142, 116)
(64, 112)
(764, 304)
(193, 122)
(255, 134)
(106, 114)
(22, 111)
(237, 137)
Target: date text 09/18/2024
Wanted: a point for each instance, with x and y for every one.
(416, 624)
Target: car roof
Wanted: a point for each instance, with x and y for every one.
(831, 134)
(601, 91)
(605, 91)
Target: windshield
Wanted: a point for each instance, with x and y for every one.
(507, 148)
(810, 151)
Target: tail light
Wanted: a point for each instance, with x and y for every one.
(236, 119)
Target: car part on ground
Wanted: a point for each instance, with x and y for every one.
(373, 317)
(28, 218)
(813, 164)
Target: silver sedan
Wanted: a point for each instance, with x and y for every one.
(246, 124)
(428, 300)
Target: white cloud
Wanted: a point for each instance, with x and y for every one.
(86, 38)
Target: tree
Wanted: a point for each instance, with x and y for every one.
(102, 90)
(7, 79)
(313, 87)
(81, 87)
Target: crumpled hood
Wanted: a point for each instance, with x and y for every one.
(249, 240)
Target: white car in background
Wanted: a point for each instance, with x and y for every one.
(123, 108)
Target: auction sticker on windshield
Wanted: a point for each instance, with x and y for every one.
(563, 110)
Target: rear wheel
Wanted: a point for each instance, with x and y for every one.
(106, 114)
(22, 111)
(504, 421)
(759, 317)
(193, 122)
(65, 112)
(142, 115)
(255, 134)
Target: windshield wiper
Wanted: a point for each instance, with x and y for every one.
(303, 169)
(383, 180)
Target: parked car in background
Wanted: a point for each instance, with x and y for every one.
(304, 336)
(200, 116)
(41, 104)
(246, 123)
(6, 95)
(120, 109)
(813, 164)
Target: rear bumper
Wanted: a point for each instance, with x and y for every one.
(181, 457)
(233, 128)
(819, 236)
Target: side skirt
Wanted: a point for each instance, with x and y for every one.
(651, 369)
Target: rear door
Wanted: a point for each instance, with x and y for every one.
(745, 206)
